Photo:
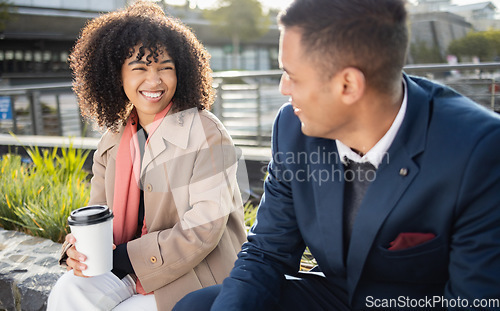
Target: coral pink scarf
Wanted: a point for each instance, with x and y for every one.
(127, 172)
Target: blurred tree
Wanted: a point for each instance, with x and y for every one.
(493, 36)
(4, 13)
(424, 55)
(484, 44)
(240, 20)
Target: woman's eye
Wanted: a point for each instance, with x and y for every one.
(138, 68)
(167, 68)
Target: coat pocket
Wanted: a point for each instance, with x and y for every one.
(422, 248)
(424, 263)
(204, 274)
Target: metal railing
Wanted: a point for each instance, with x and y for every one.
(45, 109)
(246, 102)
(247, 107)
(480, 82)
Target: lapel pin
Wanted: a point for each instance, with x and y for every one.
(403, 171)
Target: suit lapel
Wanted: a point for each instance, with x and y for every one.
(378, 202)
(329, 199)
(394, 176)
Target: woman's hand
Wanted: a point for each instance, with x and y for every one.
(75, 259)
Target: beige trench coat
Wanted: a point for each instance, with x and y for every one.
(193, 207)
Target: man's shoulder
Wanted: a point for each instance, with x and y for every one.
(287, 128)
(451, 109)
(286, 122)
(285, 114)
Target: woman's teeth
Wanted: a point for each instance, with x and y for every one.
(152, 94)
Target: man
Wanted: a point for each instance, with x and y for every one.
(420, 229)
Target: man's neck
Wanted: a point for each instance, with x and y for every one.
(374, 118)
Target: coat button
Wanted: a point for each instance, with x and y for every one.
(149, 187)
(153, 259)
(403, 171)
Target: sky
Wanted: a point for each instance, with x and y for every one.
(210, 3)
(283, 3)
(462, 2)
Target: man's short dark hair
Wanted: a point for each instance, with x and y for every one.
(371, 35)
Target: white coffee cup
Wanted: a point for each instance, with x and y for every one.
(92, 227)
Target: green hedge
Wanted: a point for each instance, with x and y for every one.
(37, 196)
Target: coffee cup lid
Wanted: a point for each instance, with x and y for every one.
(89, 215)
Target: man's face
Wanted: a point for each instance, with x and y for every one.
(312, 94)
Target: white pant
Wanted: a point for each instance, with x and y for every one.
(100, 293)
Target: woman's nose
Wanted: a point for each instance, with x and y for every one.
(154, 78)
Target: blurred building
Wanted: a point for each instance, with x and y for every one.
(36, 42)
(37, 39)
(482, 16)
(436, 23)
(431, 34)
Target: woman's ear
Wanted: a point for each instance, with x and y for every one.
(353, 85)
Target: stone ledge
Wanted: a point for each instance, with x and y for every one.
(28, 270)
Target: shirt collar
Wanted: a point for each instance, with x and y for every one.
(377, 152)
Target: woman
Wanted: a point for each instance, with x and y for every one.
(166, 166)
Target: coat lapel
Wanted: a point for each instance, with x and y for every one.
(328, 200)
(394, 176)
(174, 129)
(110, 141)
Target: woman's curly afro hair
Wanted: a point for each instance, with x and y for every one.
(108, 40)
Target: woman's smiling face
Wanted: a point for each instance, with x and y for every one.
(149, 84)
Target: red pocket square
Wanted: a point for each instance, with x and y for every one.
(409, 239)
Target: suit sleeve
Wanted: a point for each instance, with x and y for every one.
(274, 245)
(474, 269)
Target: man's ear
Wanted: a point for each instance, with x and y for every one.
(351, 82)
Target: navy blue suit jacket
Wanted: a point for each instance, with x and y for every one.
(450, 149)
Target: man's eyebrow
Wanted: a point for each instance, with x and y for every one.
(135, 62)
